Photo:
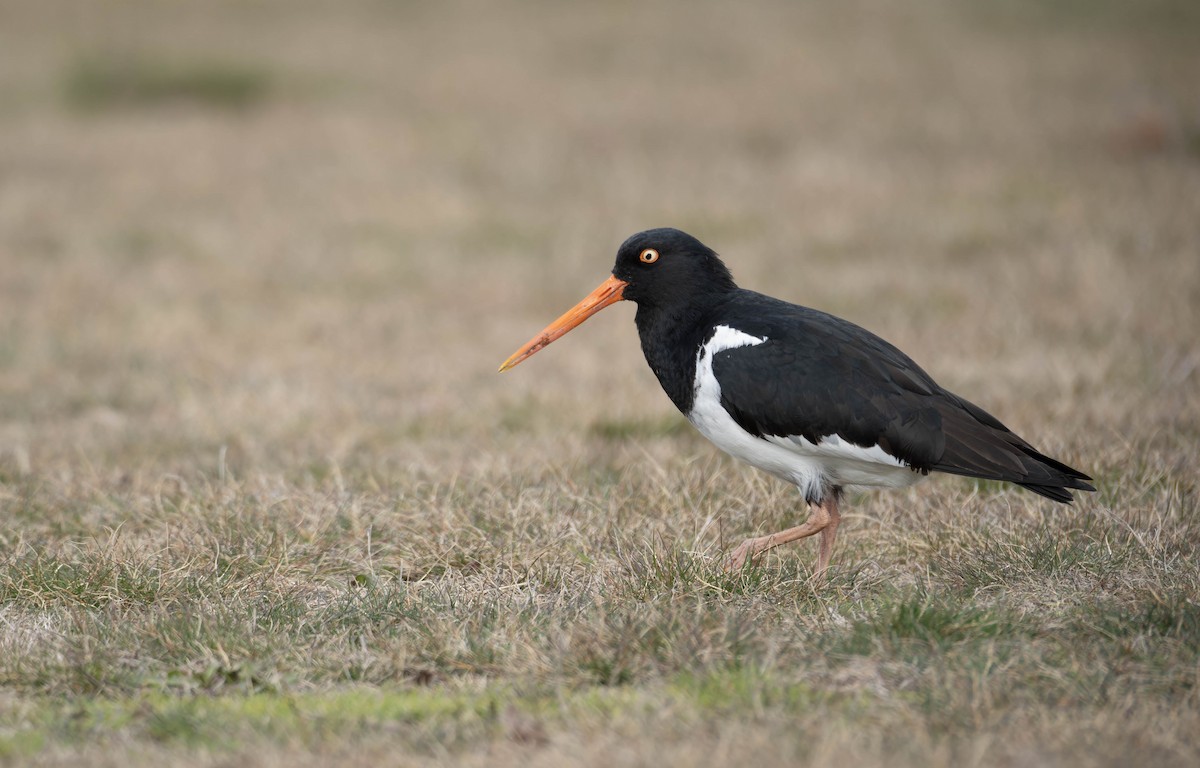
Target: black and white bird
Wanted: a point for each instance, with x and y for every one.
(808, 397)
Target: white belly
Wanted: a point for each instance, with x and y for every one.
(812, 467)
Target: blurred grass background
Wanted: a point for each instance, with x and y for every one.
(259, 262)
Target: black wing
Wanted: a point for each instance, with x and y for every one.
(819, 375)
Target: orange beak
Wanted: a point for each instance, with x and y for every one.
(609, 292)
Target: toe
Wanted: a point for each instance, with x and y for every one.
(737, 559)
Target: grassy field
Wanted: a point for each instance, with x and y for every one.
(264, 499)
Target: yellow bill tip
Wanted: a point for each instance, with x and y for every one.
(609, 292)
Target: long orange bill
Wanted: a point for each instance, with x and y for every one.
(609, 292)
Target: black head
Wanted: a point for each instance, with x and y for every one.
(663, 271)
(666, 266)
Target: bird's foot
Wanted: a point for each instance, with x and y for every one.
(745, 551)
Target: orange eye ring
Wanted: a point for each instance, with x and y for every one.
(649, 256)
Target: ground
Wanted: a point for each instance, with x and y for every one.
(264, 499)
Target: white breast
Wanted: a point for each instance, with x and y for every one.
(812, 467)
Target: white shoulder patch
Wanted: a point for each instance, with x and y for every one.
(727, 338)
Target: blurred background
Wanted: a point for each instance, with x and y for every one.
(260, 261)
(273, 236)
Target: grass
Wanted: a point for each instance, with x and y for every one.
(264, 499)
(122, 81)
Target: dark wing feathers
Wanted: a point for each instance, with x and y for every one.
(985, 448)
(819, 375)
(809, 386)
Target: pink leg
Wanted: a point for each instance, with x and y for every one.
(823, 518)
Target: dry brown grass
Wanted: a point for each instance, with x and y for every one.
(264, 500)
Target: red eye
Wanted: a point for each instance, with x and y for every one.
(649, 256)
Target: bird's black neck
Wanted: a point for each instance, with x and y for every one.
(671, 338)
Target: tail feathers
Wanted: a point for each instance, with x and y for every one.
(1067, 478)
(977, 445)
(1053, 492)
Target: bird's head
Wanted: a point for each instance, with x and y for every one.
(654, 268)
(665, 266)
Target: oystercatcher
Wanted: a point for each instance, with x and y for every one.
(808, 397)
